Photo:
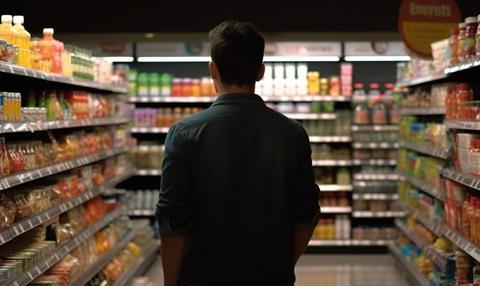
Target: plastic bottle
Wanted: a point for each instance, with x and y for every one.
(474, 230)
(461, 42)
(23, 41)
(7, 33)
(47, 47)
(470, 37)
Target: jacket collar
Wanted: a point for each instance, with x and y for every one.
(227, 98)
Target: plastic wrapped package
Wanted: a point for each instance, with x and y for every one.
(24, 205)
(8, 210)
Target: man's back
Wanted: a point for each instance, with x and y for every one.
(247, 179)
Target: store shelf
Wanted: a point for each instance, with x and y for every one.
(425, 148)
(28, 176)
(376, 177)
(172, 99)
(62, 250)
(148, 172)
(466, 65)
(464, 179)
(462, 242)
(434, 227)
(438, 258)
(328, 163)
(414, 273)
(374, 162)
(366, 97)
(311, 116)
(17, 127)
(422, 80)
(149, 255)
(423, 111)
(30, 223)
(307, 98)
(87, 275)
(374, 196)
(335, 210)
(149, 130)
(385, 214)
(375, 145)
(425, 187)
(22, 72)
(463, 124)
(368, 128)
(147, 212)
(348, 242)
(329, 139)
(335, 188)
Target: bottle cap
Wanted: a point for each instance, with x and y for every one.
(6, 18)
(18, 19)
(470, 20)
(374, 85)
(48, 31)
(462, 25)
(358, 85)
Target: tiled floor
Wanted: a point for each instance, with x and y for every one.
(334, 270)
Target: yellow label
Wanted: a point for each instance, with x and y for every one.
(419, 35)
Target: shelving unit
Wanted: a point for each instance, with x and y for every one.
(425, 148)
(329, 163)
(381, 214)
(413, 273)
(336, 210)
(88, 274)
(330, 139)
(335, 188)
(425, 187)
(423, 110)
(62, 250)
(149, 255)
(375, 145)
(349, 242)
(148, 172)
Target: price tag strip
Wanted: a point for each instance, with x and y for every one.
(461, 178)
(424, 148)
(61, 251)
(31, 73)
(425, 187)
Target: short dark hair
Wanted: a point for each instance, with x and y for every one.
(237, 50)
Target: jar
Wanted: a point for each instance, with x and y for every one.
(177, 87)
(187, 87)
(361, 114)
(374, 89)
(470, 37)
(379, 113)
(461, 42)
(453, 45)
(395, 114)
(4, 161)
(3, 51)
(196, 88)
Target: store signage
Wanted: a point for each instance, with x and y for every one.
(172, 49)
(108, 49)
(378, 48)
(303, 49)
(422, 22)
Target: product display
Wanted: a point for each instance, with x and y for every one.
(337, 227)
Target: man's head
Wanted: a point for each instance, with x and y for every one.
(237, 56)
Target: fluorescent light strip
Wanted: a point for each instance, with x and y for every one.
(377, 58)
(184, 59)
(119, 59)
(301, 59)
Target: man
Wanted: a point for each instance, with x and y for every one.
(238, 201)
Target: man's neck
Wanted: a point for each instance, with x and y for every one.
(237, 89)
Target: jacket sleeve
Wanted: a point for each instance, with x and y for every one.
(306, 210)
(175, 204)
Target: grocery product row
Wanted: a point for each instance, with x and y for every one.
(50, 55)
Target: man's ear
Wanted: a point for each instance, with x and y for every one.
(261, 73)
(212, 67)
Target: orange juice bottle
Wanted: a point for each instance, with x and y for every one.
(48, 47)
(7, 33)
(23, 41)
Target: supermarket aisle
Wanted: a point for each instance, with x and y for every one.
(334, 270)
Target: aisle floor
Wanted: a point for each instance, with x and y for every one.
(333, 270)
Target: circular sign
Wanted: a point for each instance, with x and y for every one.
(422, 22)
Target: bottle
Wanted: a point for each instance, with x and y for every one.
(453, 45)
(7, 33)
(475, 222)
(461, 42)
(47, 47)
(23, 41)
(470, 36)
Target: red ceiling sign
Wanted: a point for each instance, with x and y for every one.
(422, 22)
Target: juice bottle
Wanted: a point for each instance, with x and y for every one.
(475, 222)
(23, 41)
(453, 45)
(470, 36)
(462, 27)
(47, 47)
(7, 33)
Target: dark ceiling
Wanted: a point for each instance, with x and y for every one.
(196, 16)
